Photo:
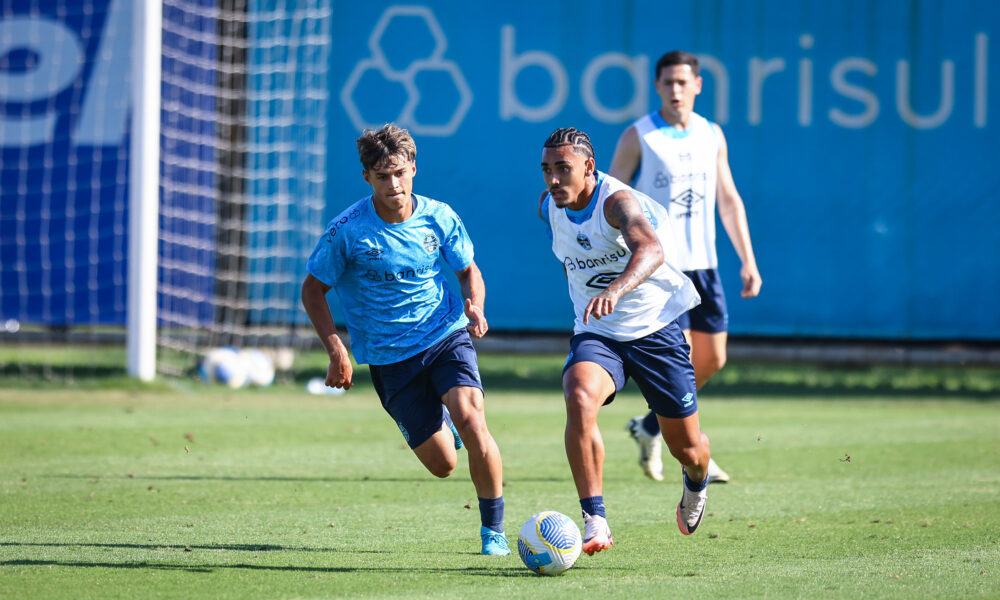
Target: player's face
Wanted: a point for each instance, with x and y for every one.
(392, 182)
(677, 86)
(565, 174)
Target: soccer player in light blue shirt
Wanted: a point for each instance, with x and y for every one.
(384, 256)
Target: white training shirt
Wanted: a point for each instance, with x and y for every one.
(679, 169)
(594, 254)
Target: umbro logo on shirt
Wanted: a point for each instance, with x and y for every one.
(602, 280)
(375, 253)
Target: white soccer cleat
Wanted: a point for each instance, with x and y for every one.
(691, 509)
(596, 534)
(715, 473)
(650, 449)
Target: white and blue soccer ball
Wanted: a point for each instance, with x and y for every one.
(223, 365)
(549, 543)
(259, 368)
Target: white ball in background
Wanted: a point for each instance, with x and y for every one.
(259, 368)
(223, 365)
(284, 358)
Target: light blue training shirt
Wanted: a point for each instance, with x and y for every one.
(395, 296)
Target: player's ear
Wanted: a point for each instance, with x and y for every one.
(364, 173)
(591, 164)
(414, 171)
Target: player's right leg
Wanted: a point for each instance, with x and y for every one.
(591, 378)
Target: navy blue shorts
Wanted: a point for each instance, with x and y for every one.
(411, 389)
(658, 362)
(710, 316)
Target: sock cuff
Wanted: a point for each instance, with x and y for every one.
(593, 505)
(693, 485)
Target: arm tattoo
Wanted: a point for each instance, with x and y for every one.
(624, 213)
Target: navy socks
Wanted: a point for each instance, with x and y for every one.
(593, 506)
(695, 486)
(491, 513)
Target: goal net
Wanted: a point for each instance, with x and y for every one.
(242, 177)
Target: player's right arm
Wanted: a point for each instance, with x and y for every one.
(340, 372)
(623, 212)
(628, 154)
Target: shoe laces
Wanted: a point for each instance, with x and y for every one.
(694, 503)
(594, 526)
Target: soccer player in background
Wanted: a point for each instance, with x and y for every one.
(611, 240)
(381, 254)
(680, 159)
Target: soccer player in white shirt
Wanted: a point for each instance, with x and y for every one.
(680, 159)
(610, 240)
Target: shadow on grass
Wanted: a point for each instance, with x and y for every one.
(497, 571)
(285, 479)
(231, 547)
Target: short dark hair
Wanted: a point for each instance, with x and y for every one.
(571, 136)
(377, 146)
(676, 57)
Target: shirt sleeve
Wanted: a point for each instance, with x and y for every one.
(327, 261)
(457, 247)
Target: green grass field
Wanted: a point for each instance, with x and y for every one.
(877, 484)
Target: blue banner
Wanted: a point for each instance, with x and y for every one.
(858, 137)
(64, 98)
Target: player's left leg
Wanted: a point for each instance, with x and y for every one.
(708, 355)
(485, 465)
(467, 410)
(691, 448)
(454, 376)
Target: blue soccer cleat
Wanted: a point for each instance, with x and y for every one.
(494, 542)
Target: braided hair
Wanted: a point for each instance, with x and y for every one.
(571, 136)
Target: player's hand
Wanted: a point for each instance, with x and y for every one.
(600, 305)
(477, 320)
(340, 373)
(751, 281)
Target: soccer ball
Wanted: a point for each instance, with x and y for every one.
(549, 543)
(223, 365)
(259, 368)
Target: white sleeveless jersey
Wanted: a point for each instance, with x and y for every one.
(679, 169)
(594, 254)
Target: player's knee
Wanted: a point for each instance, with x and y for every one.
(442, 467)
(580, 405)
(689, 456)
(718, 361)
(471, 426)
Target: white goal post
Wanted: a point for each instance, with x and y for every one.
(144, 192)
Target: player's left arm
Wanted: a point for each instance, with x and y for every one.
(474, 292)
(623, 212)
(733, 214)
